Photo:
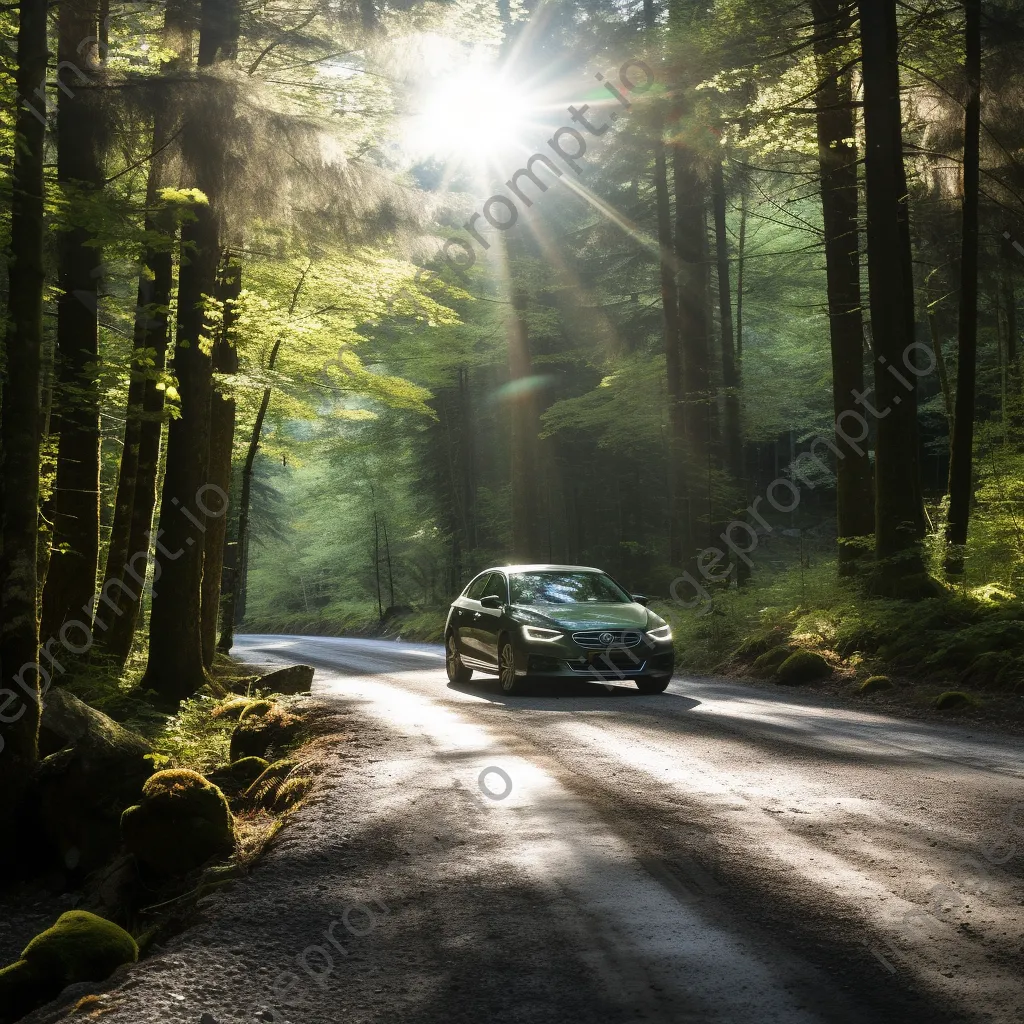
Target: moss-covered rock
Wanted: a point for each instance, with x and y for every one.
(256, 735)
(79, 947)
(182, 822)
(953, 699)
(256, 709)
(874, 684)
(760, 642)
(803, 667)
(985, 669)
(239, 775)
(231, 709)
(92, 770)
(766, 665)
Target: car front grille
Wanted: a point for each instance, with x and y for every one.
(602, 639)
(614, 663)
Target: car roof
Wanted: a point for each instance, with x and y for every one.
(542, 566)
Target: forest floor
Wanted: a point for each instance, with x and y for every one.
(717, 853)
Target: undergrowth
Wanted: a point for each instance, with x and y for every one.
(976, 636)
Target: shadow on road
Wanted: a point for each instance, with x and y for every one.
(548, 696)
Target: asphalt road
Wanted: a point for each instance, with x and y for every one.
(715, 853)
(750, 854)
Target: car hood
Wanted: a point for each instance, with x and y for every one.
(584, 616)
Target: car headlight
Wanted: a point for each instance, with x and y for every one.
(661, 633)
(539, 633)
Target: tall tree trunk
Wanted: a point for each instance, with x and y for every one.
(678, 527)
(234, 604)
(730, 369)
(527, 541)
(898, 513)
(129, 540)
(837, 161)
(222, 437)
(961, 456)
(694, 329)
(74, 558)
(176, 669)
(19, 419)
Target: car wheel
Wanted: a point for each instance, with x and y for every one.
(457, 672)
(510, 682)
(653, 684)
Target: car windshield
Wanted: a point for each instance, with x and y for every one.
(565, 588)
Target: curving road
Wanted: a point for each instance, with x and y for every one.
(717, 853)
(726, 852)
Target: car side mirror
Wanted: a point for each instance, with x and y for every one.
(490, 601)
(641, 599)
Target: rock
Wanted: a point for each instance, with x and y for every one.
(802, 667)
(952, 699)
(239, 775)
(873, 684)
(183, 822)
(294, 679)
(93, 769)
(255, 735)
(766, 664)
(760, 642)
(80, 947)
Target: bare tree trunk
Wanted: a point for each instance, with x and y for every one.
(74, 558)
(19, 419)
(837, 161)
(961, 460)
(694, 329)
(730, 369)
(898, 511)
(234, 604)
(940, 359)
(222, 437)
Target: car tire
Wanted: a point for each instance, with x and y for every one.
(653, 684)
(507, 678)
(457, 672)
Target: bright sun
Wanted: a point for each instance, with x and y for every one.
(468, 115)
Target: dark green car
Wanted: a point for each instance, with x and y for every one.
(538, 622)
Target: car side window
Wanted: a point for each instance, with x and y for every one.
(497, 587)
(476, 589)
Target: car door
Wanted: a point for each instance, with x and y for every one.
(489, 623)
(469, 615)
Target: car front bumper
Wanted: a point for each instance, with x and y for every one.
(563, 659)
